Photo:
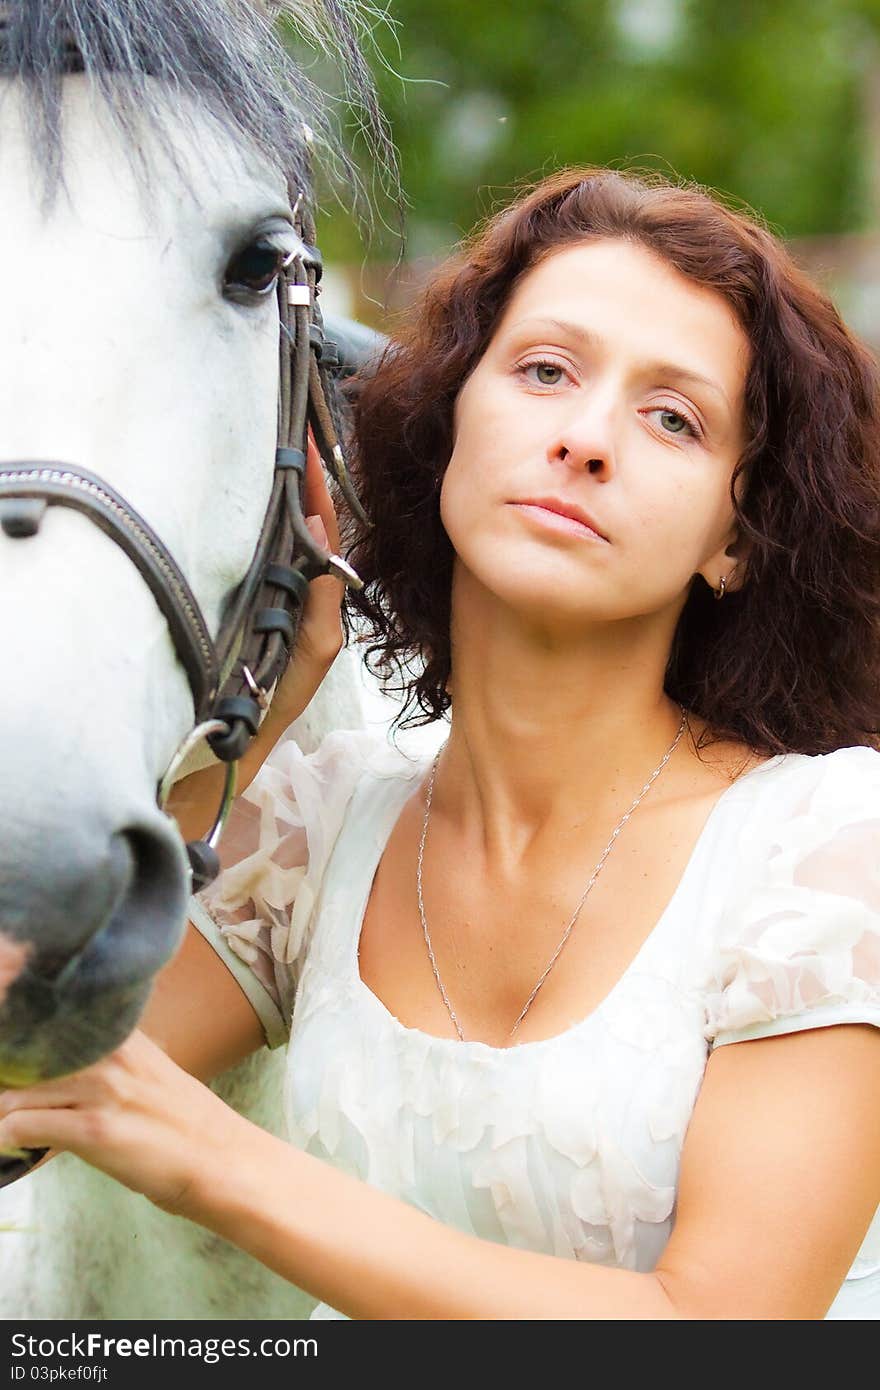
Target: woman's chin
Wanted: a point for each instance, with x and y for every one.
(528, 595)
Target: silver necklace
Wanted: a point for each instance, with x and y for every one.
(605, 853)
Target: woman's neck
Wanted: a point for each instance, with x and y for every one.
(549, 731)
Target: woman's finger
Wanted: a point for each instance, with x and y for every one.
(320, 637)
(321, 627)
(317, 499)
(317, 530)
(56, 1129)
(67, 1091)
(135, 1115)
(318, 643)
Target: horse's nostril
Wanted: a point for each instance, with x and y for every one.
(110, 885)
(122, 918)
(99, 915)
(147, 917)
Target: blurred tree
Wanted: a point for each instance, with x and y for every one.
(760, 99)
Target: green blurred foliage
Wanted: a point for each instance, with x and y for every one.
(762, 101)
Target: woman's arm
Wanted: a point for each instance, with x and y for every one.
(780, 1179)
(198, 1013)
(779, 1182)
(780, 1174)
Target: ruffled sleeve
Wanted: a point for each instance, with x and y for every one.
(799, 944)
(273, 852)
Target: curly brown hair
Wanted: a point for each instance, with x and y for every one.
(790, 662)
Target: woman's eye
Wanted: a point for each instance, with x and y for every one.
(254, 270)
(544, 373)
(673, 422)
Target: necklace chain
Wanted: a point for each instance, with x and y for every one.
(605, 853)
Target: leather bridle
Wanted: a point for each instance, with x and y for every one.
(232, 675)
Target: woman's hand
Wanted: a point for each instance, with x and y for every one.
(135, 1115)
(194, 800)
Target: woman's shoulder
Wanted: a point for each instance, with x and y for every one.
(855, 766)
(342, 757)
(795, 805)
(282, 830)
(798, 939)
(825, 790)
(316, 786)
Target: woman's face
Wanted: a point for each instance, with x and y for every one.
(612, 386)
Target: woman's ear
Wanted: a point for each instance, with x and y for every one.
(729, 564)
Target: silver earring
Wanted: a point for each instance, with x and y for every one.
(722, 584)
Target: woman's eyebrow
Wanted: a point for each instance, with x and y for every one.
(569, 330)
(586, 336)
(672, 369)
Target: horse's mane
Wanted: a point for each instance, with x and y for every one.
(227, 55)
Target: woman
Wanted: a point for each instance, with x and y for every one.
(580, 1012)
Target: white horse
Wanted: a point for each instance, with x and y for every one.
(138, 343)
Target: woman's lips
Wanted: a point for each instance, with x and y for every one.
(557, 522)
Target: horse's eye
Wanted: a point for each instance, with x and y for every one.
(252, 272)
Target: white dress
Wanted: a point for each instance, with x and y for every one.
(568, 1145)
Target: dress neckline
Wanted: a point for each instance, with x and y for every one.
(474, 1047)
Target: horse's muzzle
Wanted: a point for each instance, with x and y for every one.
(97, 927)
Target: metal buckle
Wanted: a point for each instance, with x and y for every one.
(257, 691)
(344, 571)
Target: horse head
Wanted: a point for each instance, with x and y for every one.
(154, 159)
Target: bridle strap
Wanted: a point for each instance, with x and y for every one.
(287, 558)
(57, 484)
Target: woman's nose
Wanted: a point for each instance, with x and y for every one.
(586, 441)
(597, 463)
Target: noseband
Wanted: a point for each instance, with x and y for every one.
(231, 676)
